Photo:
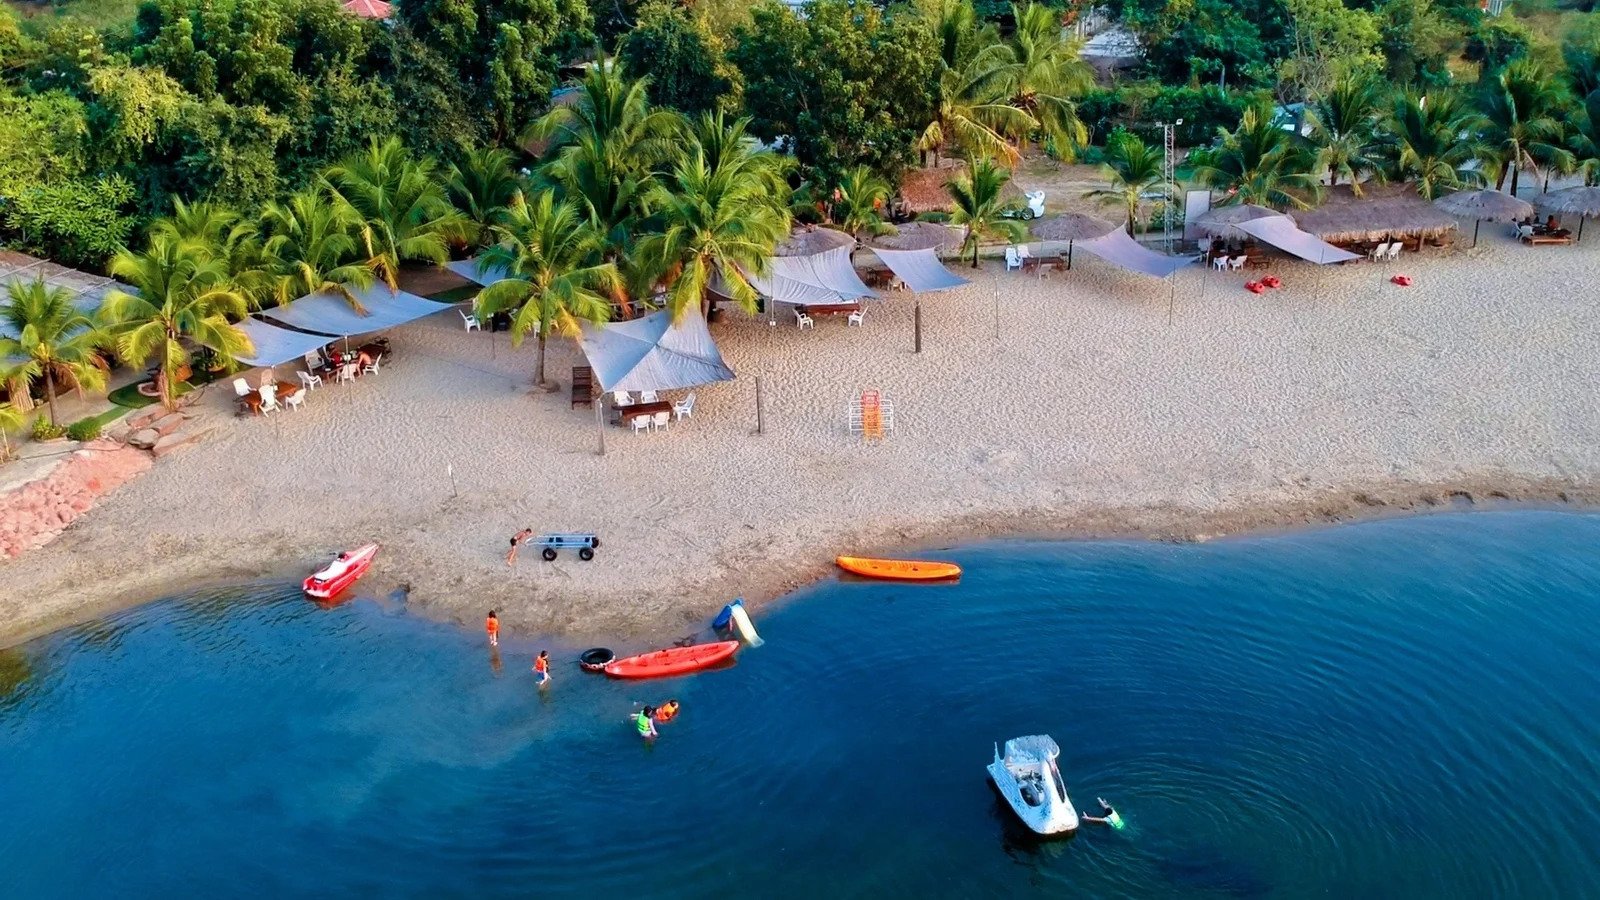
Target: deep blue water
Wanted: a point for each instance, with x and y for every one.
(1406, 708)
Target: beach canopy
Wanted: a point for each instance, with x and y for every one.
(274, 345)
(1382, 212)
(812, 240)
(328, 313)
(1281, 232)
(920, 269)
(652, 354)
(1223, 221)
(1071, 227)
(476, 272)
(1118, 248)
(826, 277)
(1581, 201)
(920, 236)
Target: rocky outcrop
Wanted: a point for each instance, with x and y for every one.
(34, 512)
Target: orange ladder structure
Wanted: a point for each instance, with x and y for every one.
(871, 415)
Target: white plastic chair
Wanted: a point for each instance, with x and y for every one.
(640, 423)
(313, 360)
(856, 317)
(269, 401)
(1220, 263)
(1394, 251)
(684, 407)
(661, 421)
(1237, 263)
(470, 321)
(294, 400)
(1525, 232)
(801, 320)
(621, 398)
(309, 380)
(347, 372)
(1013, 259)
(371, 368)
(649, 397)
(1379, 252)
(241, 387)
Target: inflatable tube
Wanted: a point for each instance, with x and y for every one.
(743, 625)
(595, 660)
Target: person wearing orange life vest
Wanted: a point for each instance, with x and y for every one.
(541, 667)
(492, 625)
(667, 711)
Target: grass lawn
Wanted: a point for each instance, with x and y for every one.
(105, 418)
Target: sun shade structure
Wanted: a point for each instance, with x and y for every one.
(809, 241)
(826, 277)
(1485, 205)
(1120, 249)
(476, 272)
(274, 345)
(920, 236)
(1071, 227)
(330, 314)
(1223, 221)
(1281, 232)
(920, 269)
(88, 291)
(652, 354)
(1381, 213)
(1583, 202)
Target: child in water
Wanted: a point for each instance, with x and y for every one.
(644, 721)
(667, 711)
(492, 625)
(541, 667)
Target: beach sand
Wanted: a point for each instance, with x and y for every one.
(1094, 402)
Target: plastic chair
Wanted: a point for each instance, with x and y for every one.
(309, 380)
(661, 421)
(1236, 264)
(641, 423)
(269, 402)
(621, 398)
(371, 368)
(347, 372)
(1013, 259)
(684, 407)
(294, 400)
(470, 321)
(855, 317)
(1220, 263)
(801, 320)
(649, 397)
(241, 387)
(1394, 251)
(1379, 252)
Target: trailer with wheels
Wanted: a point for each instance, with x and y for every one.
(584, 542)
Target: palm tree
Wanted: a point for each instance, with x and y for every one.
(401, 204)
(1046, 73)
(979, 206)
(1521, 107)
(1134, 169)
(858, 202)
(557, 275)
(53, 339)
(482, 184)
(181, 296)
(1344, 126)
(310, 248)
(1429, 141)
(722, 207)
(974, 110)
(1584, 139)
(226, 235)
(1260, 163)
(11, 419)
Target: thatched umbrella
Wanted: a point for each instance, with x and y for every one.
(1381, 213)
(1583, 202)
(920, 236)
(1487, 204)
(1220, 221)
(1071, 227)
(809, 240)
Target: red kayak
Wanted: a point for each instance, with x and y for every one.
(341, 573)
(673, 661)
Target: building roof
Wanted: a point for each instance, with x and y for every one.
(369, 9)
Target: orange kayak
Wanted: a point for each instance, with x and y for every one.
(899, 569)
(672, 661)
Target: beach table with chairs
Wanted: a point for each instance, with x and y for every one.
(258, 402)
(804, 312)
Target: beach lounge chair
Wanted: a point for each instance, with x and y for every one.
(855, 317)
(310, 380)
(470, 321)
(621, 398)
(1379, 253)
(684, 407)
(661, 421)
(641, 423)
(1013, 259)
(294, 400)
(801, 320)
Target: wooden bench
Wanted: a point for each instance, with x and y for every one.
(830, 309)
(1532, 239)
(582, 386)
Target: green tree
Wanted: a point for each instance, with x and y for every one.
(979, 207)
(182, 296)
(401, 203)
(682, 56)
(1417, 41)
(309, 248)
(973, 112)
(54, 340)
(557, 276)
(1330, 40)
(1047, 75)
(1260, 163)
(11, 419)
(1584, 139)
(1522, 109)
(1428, 142)
(75, 221)
(1134, 169)
(719, 209)
(858, 202)
(482, 185)
(222, 233)
(1344, 128)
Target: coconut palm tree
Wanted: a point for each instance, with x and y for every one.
(310, 248)
(181, 296)
(721, 207)
(1046, 73)
(1344, 128)
(400, 201)
(1584, 139)
(11, 419)
(482, 184)
(973, 111)
(1521, 110)
(615, 111)
(858, 202)
(225, 234)
(1134, 169)
(54, 340)
(979, 206)
(1430, 142)
(1260, 163)
(557, 275)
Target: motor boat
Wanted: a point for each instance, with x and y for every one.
(1028, 778)
(328, 581)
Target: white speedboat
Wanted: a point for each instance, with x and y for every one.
(1028, 778)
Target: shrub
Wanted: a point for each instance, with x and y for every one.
(86, 430)
(45, 430)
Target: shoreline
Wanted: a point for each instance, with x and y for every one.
(1330, 508)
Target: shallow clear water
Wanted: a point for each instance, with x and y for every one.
(1403, 708)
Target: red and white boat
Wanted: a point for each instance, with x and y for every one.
(341, 573)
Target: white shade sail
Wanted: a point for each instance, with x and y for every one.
(1281, 232)
(1119, 249)
(652, 354)
(920, 269)
(330, 314)
(826, 277)
(274, 345)
(476, 272)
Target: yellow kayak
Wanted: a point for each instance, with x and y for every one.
(899, 569)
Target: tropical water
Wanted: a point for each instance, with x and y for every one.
(1401, 708)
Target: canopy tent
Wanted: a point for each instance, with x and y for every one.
(826, 277)
(652, 354)
(920, 269)
(328, 313)
(476, 272)
(1118, 248)
(1281, 232)
(274, 345)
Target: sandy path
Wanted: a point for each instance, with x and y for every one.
(1090, 415)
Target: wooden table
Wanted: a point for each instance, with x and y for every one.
(253, 399)
(626, 414)
(830, 309)
(1547, 238)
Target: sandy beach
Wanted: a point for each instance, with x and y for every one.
(1094, 402)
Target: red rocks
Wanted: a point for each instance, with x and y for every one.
(32, 514)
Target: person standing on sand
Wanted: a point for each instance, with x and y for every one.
(541, 667)
(516, 541)
(492, 625)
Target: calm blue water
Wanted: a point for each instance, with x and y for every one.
(1405, 708)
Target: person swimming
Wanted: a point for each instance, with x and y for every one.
(667, 712)
(645, 723)
(1108, 815)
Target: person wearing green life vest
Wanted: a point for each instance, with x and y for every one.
(1108, 816)
(644, 720)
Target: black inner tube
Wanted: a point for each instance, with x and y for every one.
(596, 657)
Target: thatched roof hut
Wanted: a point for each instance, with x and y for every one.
(920, 236)
(1223, 221)
(809, 239)
(1381, 212)
(1071, 227)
